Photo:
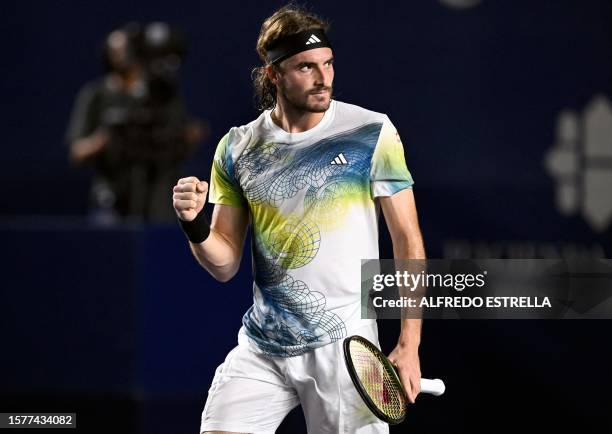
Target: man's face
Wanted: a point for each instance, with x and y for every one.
(118, 50)
(305, 80)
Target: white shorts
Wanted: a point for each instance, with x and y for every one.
(252, 393)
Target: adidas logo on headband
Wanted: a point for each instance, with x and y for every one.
(291, 45)
(313, 40)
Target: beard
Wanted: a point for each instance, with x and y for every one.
(308, 101)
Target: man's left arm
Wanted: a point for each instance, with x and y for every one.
(402, 220)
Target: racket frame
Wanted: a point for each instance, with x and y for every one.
(357, 382)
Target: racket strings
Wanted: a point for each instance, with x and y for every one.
(380, 384)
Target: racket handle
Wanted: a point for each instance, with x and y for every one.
(435, 387)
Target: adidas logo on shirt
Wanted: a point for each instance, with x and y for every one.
(313, 40)
(339, 160)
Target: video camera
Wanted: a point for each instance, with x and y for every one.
(149, 125)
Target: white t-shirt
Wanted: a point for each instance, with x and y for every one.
(314, 218)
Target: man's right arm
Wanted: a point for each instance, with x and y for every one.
(221, 252)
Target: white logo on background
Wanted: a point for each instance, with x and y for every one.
(581, 163)
(339, 160)
(313, 40)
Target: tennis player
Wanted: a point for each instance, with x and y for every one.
(309, 177)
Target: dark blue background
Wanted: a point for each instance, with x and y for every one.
(122, 326)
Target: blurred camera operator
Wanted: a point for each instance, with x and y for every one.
(131, 126)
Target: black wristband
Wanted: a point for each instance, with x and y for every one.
(198, 229)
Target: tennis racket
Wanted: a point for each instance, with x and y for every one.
(377, 381)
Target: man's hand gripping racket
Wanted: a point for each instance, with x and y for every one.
(377, 381)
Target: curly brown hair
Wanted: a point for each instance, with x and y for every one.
(288, 20)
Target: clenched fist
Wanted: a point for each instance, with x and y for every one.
(189, 197)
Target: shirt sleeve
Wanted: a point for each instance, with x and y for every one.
(82, 118)
(388, 172)
(224, 188)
